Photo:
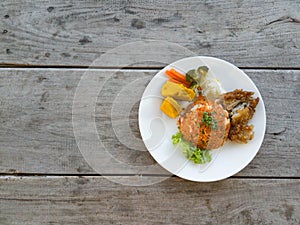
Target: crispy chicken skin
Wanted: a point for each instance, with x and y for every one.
(241, 107)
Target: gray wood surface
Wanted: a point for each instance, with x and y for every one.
(44, 175)
(36, 133)
(75, 33)
(95, 200)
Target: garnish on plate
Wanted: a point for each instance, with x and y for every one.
(190, 151)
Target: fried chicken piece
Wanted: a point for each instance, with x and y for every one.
(241, 133)
(241, 107)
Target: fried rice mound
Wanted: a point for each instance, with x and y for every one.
(205, 124)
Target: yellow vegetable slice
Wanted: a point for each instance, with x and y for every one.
(177, 91)
(170, 107)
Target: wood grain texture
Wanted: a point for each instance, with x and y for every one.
(75, 33)
(95, 200)
(36, 132)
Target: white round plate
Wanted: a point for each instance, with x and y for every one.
(157, 129)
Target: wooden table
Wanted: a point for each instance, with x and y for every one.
(48, 46)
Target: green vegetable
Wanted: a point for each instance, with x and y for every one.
(203, 70)
(191, 152)
(196, 77)
(209, 120)
(190, 76)
(176, 138)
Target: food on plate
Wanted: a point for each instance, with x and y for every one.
(196, 76)
(205, 124)
(177, 77)
(171, 107)
(210, 86)
(191, 152)
(241, 107)
(211, 118)
(175, 88)
(177, 91)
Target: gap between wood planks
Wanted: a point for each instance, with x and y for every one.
(22, 66)
(129, 175)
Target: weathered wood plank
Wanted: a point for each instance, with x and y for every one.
(95, 200)
(75, 33)
(36, 133)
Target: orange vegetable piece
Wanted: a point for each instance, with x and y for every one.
(170, 107)
(175, 75)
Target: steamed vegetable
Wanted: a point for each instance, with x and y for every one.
(191, 152)
(196, 76)
(210, 86)
(170, 107)
(177, 91)
(177, 77)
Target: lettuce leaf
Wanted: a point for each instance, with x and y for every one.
(191, 152)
